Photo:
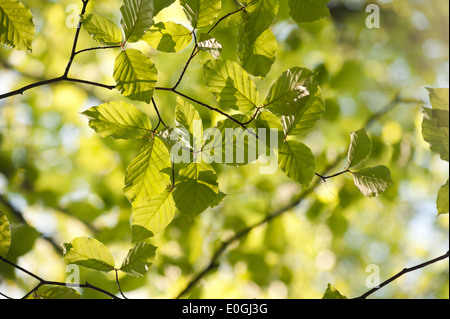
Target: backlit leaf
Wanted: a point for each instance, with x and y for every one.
(196, 189)
(231, 85)
(5, 235)
(297, 161)
(16, 25)
(148, 173)
(360, 147)
(88, 252)
(201, 13)
(139, 258)
(137, 18)
(102, 30)
(332, 293)
(152, 216)
(372, 181)
(442, 202)
(135, 75)
(119, 120)
(168, 37)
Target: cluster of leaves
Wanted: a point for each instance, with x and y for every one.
(155, 187)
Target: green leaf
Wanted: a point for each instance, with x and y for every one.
(119, 120)
(308, 10)
(435, 131)
(168, 37)
(209, 44)
(102, 30)
(297, 161)
(296, 97)
(187, 116)
(159, 5)
(148, 173)
(372, 181)
(5, 235)
(442, 199)
(89, 253)
(151, 217)
(257, 17)
(231, 144)
(201, 13)
(16, 25)
(332, 293)
(139, 258)
(196, 189)
(137, 18)
(135, 75)
(231, 85)
(439, 98)
(59, 293)
(360, 147)
(257, 57)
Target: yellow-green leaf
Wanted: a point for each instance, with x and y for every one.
(135, 75)
(16, 25)
(89, 253)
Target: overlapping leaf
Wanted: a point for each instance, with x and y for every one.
(257, 57)
(231, 85)
(168, 37)
(135, 75)
(187, 117)
(148, 174)
(231, 144)
(137, 18)
(16, 25)
(88, 252)
(102, 30)
(139, 258)
(209, 44)
(297, 98)
(196, 189)
(297, 161)
(201, 13)
(119, 120)
(257, 18)
(159, 5)
(372, 181)
(152, 216)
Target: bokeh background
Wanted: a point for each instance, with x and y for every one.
(59, 180)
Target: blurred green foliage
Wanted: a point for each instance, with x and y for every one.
(67, 182)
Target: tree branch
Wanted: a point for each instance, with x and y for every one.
(43, 282)
(403, 272)
(296, 201)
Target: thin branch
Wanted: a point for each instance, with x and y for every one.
(226, 244)
(403, 272)
(224, 17)
(160, 120)
(98, 48)
(118, 283)
(65, 76)
(193, 54)
(43, 282)
(324, 178)
(75, 40)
